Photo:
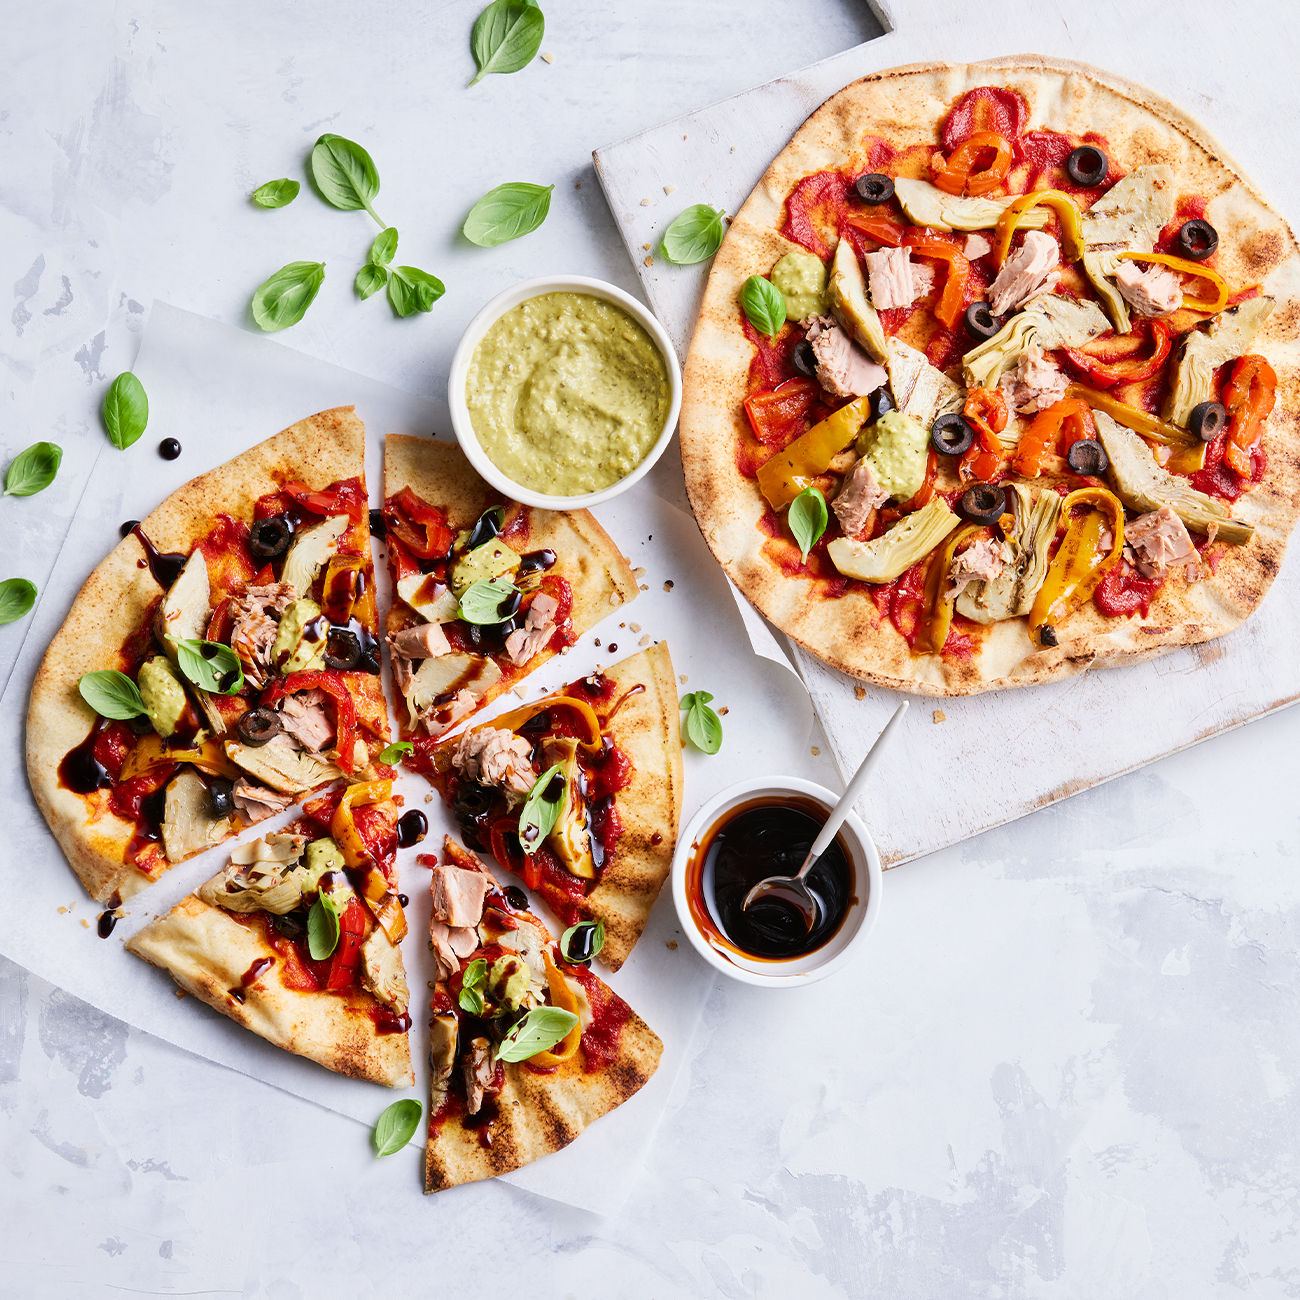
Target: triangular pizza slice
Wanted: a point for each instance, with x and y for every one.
(485, 590)
(297, 937)
(526, 1048)
(222, 661)
(578, 793)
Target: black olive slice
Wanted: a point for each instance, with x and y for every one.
(342, 649)
(378, 528)
(881, 402)
(269, 538)
(257, 726)
(874, 187)
(982, 503)
(1197, 239)
(804, 359)
(488, 526)
(1087, 456)
(1087, 165)
(950, 435)
(219, 795)
(981, 323)
(1207, 420)
(472, 801)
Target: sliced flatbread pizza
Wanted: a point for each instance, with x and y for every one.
(578, 793)
(485, 590)
(222, 661)
(526, 1047)
(297, 938)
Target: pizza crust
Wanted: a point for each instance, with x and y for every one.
(907, 105)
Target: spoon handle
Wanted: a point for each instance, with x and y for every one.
(853, 790)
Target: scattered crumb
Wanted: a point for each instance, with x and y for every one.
(428, 798)
(816, 752)
(643, 587)
(633, 627)
(722, 712)
(548, 57)
(681, 677)
(596, 642)
(180, 993)
(645, 203)
(671, 945)
(733, 148)
(647, 260)
(520, 692)
(644, 641)
(646, 247)
(683, 137)
(668, 586)
(940, 715)
(638, 572)
(577, 185)
(859, 692)
(63, 911)
(668, 189)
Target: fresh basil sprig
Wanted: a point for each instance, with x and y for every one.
(703, 726)
(538, 1031)
(276, 194)
(764, 304)
(693, 235)
(210, 666)
(322, 927)
(384, 247)
(111, 694)
(33, 469)
(568, 938)
(471, 987)
(126, 410)
(396, 1126)
(506, 37)
(482, 601)
(394, 753)
(282, 299)
(345, 175)
(539, 814)
(17, 596)
(514, 209)
(370, 279)
(808, 518)
(411, 290)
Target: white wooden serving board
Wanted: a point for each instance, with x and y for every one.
(966, 765)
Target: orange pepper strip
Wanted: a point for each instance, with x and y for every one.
(566, 999)
(956, 175)
(1249, 396)
(1221, 291)
(986, 412)
(1129, 368)
(880, 229)
(1070, 415)
(953, 300)
(925, 492)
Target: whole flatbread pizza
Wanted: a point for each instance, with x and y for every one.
(996, 379)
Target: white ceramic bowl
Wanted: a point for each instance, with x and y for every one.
(847, 941)
(493, 311)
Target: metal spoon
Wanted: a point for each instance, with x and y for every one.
(793, 889)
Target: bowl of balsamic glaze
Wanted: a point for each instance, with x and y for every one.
(765, 828)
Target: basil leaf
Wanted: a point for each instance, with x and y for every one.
(694, 235)
(384, 248)
(482, 602)
(411, 290)
(17, 596)
(276, 194)
(126, 410)
(322, 928)
(514, 209)
(395, 752)
(538, 1031)
(506, 37)
(210, 665)
(539, 814)
(808, 518)
(764, 304)
(703, 726)
(472, 980)
(370, 279)
(282, 299)
(344, 174)
(111, 694)
(33, 469)
(396, 1126)
(597, 940)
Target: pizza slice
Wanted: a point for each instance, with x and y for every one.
(222, 661)
(485, 590)
(578, 793)
(526, 1047)
(297, 937)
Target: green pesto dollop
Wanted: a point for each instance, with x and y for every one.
(896, 447)
(299, 645)
(801, 277)
(161, 693)
(567, 393)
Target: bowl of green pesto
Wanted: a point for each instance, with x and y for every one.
(564, 391)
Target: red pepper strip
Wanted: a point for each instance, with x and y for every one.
(926, 491)
(220, 623)
(778, 415)
(347, 955)
(423, 529)
(882, 230)
(1129, 368)
(957, 177)
(334, 501)
(1071, 417)
(986, 412)
(953, 301)
(1249, 396)
(523, 865)
(345, 711)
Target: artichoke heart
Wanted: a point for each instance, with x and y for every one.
(261, 877)
(847, 294)
(919, 389)
(569, 837)
(1143, 485)
(1051, 322)
(1012, 592)
(928, 205)
(885, 557)
(1202, 351)
(309, 552)
(492, 559)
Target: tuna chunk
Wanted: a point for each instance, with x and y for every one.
(1035, 383)
(1150, 291)
(255, 801)
(535, 635)
(450, 945)
(495, 756)
(843, 368)
(424, 641)
(982, 561)
(255, 619)
(303, 716)
(895, 280)
(1159, 541)
(1029, 271)
(458, 896)
(479, 1074)
(857, 498)
(976, 246)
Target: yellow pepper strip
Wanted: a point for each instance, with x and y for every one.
(345, 582)
(566, 999)
(384, 903)
(790, 471)
(344, 829)
(1079, 562)
(935, 633)
(150, 752)
(1195, 269)
(1143, 422)
(516, 718)
(1187, 460)
(1066, 209)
